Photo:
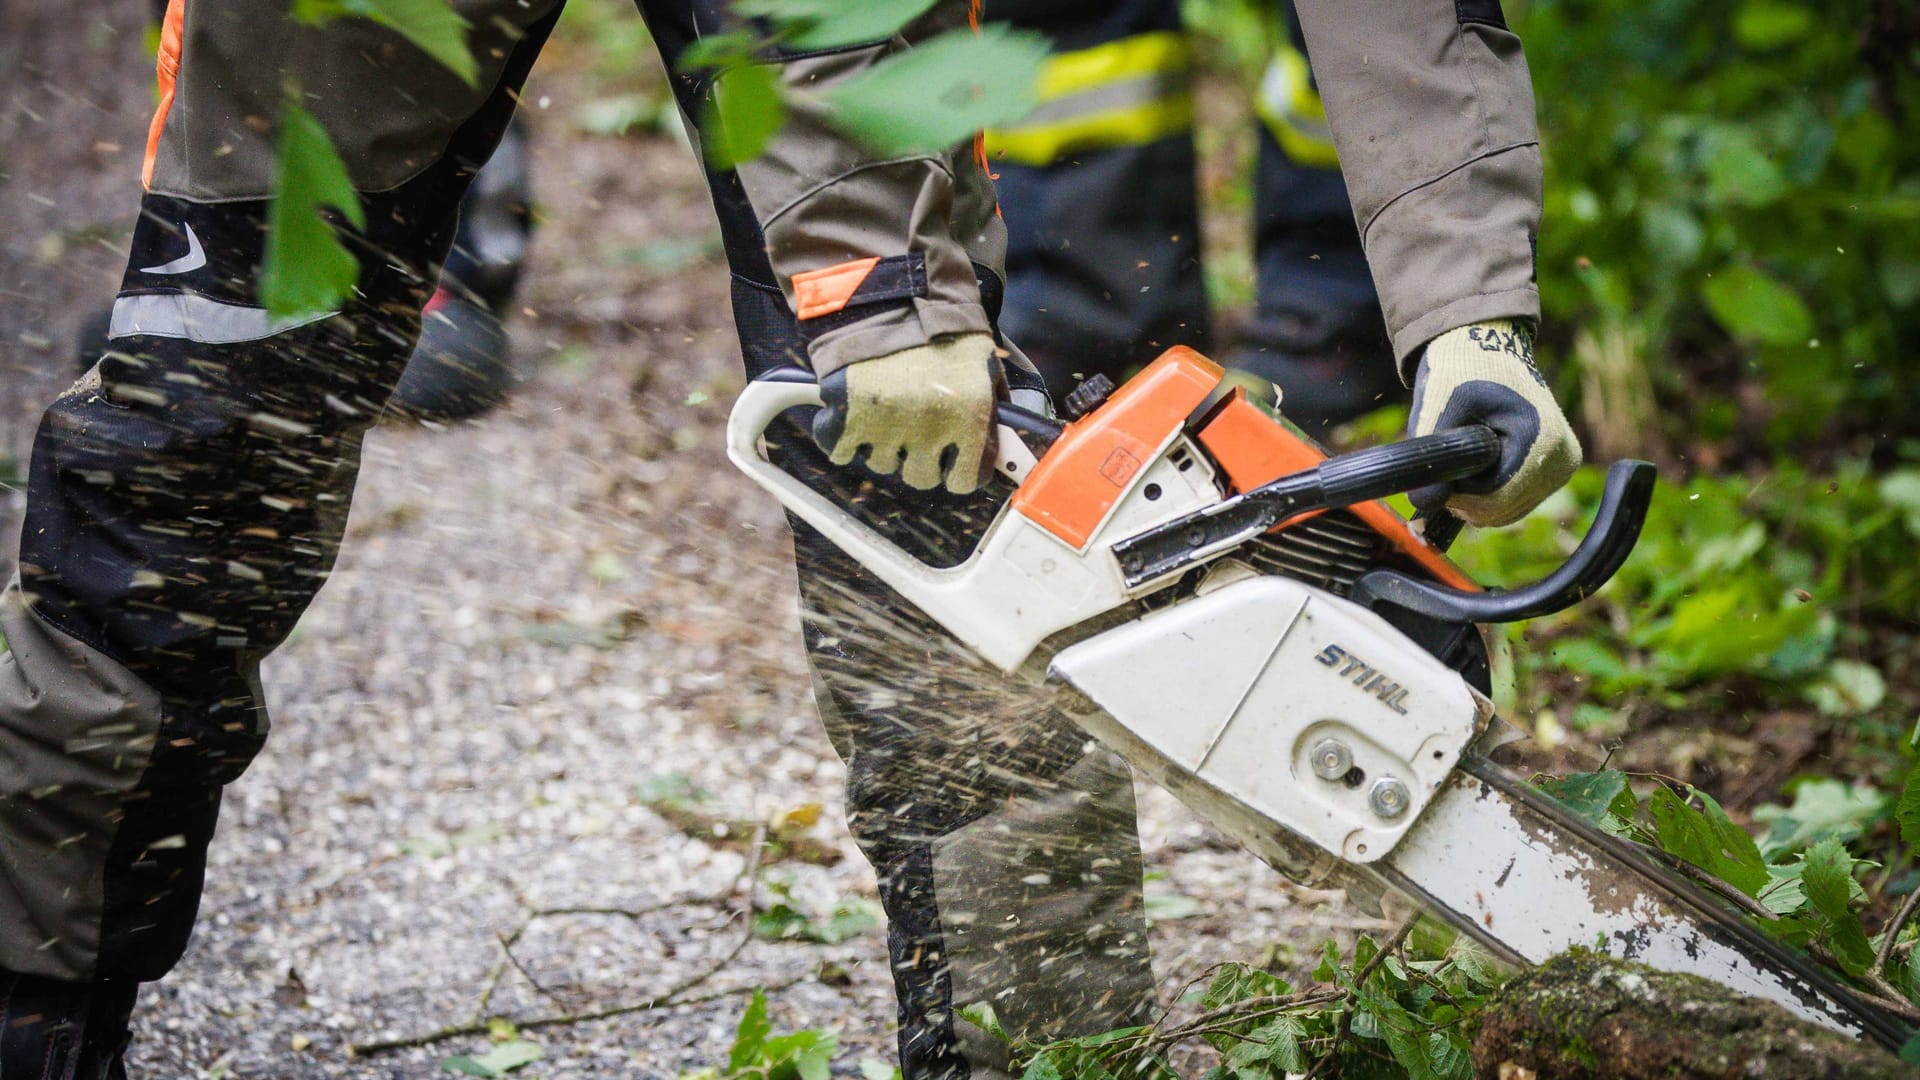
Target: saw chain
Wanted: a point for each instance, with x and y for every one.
(1231, 610)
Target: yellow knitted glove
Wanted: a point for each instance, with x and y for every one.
(926, 412)
(1484, 374)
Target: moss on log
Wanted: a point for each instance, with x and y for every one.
(1583, 1015)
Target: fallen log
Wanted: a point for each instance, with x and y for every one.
(1583, 1015)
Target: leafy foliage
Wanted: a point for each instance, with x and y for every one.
(306, 271)
(1729, 177)
(785, 919)
(760, 1054)
(1376, 1013)
(925, 99)
(433, 26)
(1804, 875)
(1780, 584)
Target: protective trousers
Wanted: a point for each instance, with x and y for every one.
(186, 500)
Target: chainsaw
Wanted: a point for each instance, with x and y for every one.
(1239, 616)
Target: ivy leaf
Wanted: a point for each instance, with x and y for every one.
(830, 24)
(431, 25)
(1910, 1051)
(936, 95)
(305, 270)
(1828, 880)
(1753, 306)
(742, 115)
(1708, 840)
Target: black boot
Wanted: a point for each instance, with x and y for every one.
(63, 1031)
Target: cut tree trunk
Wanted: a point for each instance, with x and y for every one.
(1584, 1015)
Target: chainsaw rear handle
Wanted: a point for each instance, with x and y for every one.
(1036, 432)
(1616, 528)
(1341, 481)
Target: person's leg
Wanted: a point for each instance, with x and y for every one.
(1098, 190)
(186, 498)
(1317, 332)
(1004, 843)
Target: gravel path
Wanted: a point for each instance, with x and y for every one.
(543, 621)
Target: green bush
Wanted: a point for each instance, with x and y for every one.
(1733, 187)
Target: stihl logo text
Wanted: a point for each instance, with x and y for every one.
(1365, 676)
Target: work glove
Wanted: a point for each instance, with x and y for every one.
(1484, 374)
(925, 412)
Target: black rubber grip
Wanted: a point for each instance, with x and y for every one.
(1376, 473)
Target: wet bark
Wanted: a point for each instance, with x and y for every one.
(1586, 1016)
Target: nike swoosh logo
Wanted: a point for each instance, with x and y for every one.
(194, 259)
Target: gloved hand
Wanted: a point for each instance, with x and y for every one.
(926, 412)
(1484, 374)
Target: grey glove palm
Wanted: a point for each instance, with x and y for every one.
(1484, 374)
(925, 412)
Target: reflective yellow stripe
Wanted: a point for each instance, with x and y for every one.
(1137, 125)
(1292, 110)
(1125, 93)
(1158, 53)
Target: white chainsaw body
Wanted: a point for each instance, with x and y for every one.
(1236, 687)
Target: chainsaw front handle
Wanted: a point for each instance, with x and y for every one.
(1337, 482)
(1616, 528)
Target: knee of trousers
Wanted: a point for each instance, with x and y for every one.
(107, 803)
(1033, 910)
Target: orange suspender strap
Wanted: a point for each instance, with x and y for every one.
(166, 69)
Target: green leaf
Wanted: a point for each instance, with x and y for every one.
(1708, 840)
(499, 1061)
(305, 270)
(1910, 1051)
(1828, 880)
(1821, 807)
(981, 1015)
(1755, 307)
(808, 1054)
(1739, 173)
(1475, 962)
(1907, 811)
(1849, 688)
(1602, 798)
(830, 24)
(751, 1036)
(746, 110)
(936, 95)
(875, 1069)
(433, 26)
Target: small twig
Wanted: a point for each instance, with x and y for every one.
(1721, 887)
(1888, 996)
(1345, 1030)
(669, 998)
(1893, 931)
(506, 947)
